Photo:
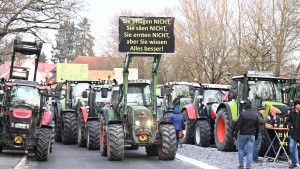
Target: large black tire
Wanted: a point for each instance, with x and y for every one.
(93, 134)
(69, 128)
(81, 139)
(167, 149)
(152, 150)
(52, 139)
(103, 137)
(1, 148)
(202, 133)
(115, 142)
(223, 131)
(43, 144)
(189, 130)
(57, 128)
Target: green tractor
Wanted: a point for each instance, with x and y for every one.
(201, 114)
(64, 105)
(260, 88)
(89, 113)
(134, 121)
(292, 91)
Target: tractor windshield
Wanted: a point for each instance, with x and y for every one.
(180, 90)
(214, 96)
(139, 95)
(77, 91)
(23, 96)
(104, 100)
(265, 91)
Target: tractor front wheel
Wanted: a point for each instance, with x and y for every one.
(69, 128)
(57, 128)
(103, 136)
(80, 131)
(93, 132)
(223, 131)
(115, 142)
(167, 149)
(202, 133)
(43, 144)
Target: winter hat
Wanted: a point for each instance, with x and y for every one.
(296, 102)
(260, 107)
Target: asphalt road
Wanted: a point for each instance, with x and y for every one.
(74, 157)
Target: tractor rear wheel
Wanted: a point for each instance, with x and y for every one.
(152, 150)
(202, 133)
(80, 131)
(57, 128)
(43, 144)
(167, 149)
(115, 142)
(103, 136)
(223, 131)
(93, 132)
(188, 137)
(69, 128)
(52, 139)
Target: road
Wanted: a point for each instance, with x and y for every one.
(74, 157)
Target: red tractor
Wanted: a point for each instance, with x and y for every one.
(25, 122)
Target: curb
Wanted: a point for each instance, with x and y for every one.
(21, 164)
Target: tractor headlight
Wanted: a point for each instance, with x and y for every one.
(12, 124)
(149, 123)
(137, 123)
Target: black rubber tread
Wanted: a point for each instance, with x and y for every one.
(57, 128)
(228, 143)
(93, 134)
(43, 144)
(189, 129)
(69, 128)
(151, 150)
(115, 142)
(103, 137)
(52, 139)
(203, 133)
(167, 149)
(81, 140)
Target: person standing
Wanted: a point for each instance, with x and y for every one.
(178, 122)
(293, 123)
(257, 143)
(248, 128)
(274, 120)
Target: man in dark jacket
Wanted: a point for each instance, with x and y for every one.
(178, 121)
(248, 128)
(293, 123)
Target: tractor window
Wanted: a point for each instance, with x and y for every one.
(23, 95)
(180, 90)
(214, 96)
(138, 95)
(105, 100)
(264, 91)
(77, 91)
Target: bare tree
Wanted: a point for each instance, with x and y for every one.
(30, 16)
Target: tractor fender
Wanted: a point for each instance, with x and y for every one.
(46, 118)
(227, 107)
(84, 112)
(191, 111)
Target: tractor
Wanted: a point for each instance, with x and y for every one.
(201, 114)
(26, 123)
(292, 91)
(88, 125)
(133, 120)
(64, 106)
(257, 87)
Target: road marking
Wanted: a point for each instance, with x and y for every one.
(21, 164)
(195, 162)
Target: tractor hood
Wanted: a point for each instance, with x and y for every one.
(21, 113)
(142, 117)
(281, 108)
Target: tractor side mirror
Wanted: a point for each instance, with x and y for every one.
(104, 92)
(191, 90)
(168, 91)
(84, 94)
(162, 92)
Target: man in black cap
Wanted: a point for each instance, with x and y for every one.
(257, 143)
(293, 122)
(248, 128)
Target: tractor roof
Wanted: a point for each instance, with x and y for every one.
(182, 83)
(215, 86)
